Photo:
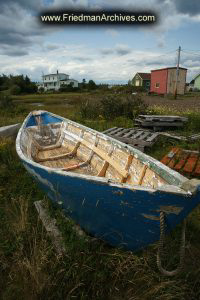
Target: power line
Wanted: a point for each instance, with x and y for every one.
(195, 54)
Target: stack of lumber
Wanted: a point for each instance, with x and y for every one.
(160, 122)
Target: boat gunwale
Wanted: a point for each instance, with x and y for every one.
(175, 188)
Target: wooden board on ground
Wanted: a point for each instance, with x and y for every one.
(52, 230)
(136, 138)
(9, 131)
(159, 122)
(184, 161)
(192, 137)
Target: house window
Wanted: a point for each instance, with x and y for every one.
(157, 85)
(137, 82)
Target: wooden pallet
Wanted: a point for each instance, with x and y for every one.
(160, 121)
(136, 138)
(183, 161)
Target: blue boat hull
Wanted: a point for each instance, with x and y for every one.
(120, 216)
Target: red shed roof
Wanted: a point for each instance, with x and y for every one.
(167, 69)
(145, 76)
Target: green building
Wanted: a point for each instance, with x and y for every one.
(197, 82)
(142, 80)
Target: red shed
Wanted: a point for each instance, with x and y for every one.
(163, 81)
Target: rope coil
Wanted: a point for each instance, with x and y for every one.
(160, 248)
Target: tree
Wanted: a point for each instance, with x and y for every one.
(91, 85)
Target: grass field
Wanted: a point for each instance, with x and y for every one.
(29, 266)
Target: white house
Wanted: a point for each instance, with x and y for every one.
(55, 81)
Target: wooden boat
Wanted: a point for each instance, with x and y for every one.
(113, 191)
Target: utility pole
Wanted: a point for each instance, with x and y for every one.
(177, 72)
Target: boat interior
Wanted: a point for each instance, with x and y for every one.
(68, 146)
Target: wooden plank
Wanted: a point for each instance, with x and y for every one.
(102, 172)
(166, 159)
(106, 157)
(143, 135)
(195, 136)
(180, 138)
(191, 162)
(144, 168)
(118, 129)
(163, 117)
(159, 124)
(152, 137)
(9, 131)
(129, 133)
(137, 134)
(182, 161)
(51, 228)
(174, 159)
(109, 130)
(197, 169)
(133, 141)
(121, 133)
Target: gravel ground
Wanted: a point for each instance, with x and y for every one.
(183, 103)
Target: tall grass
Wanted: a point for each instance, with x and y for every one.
(30, 268)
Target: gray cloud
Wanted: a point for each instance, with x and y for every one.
(13, 51)
(191, 7)
(123, 50)
(19, 26)
(81, 58)
(52, 47)
(119, 50)
(107, 51)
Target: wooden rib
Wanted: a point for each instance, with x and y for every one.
(106, 157)
(129, 161)
(142, 174)
(102, 172)
(73, 167)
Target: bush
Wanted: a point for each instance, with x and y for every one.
(15, 90)
(5, 101)
(129, 106)
(110, 107)
(41, 90)
(89, 109)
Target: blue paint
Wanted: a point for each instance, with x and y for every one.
(103, 214)
(46, 119)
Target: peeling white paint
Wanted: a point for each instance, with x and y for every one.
(40, 178)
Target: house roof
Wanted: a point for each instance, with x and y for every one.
(55, 74)
(70, 79)
(168, 69)
(145, 76)
(195, 77)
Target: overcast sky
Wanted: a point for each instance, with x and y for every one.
(104, 54)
